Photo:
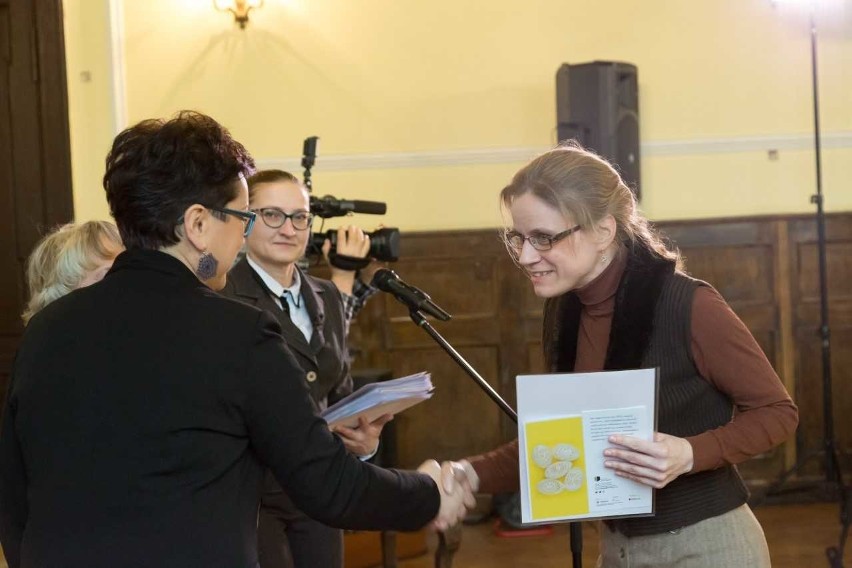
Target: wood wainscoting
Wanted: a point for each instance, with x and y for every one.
(766, 267)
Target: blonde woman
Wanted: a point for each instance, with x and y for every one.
(69, 257)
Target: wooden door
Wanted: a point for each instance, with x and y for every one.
(35, 170)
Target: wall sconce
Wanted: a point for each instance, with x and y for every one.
(239, 8)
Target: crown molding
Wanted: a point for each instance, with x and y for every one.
(465, 157)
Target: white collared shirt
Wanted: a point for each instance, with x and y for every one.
(298, 312)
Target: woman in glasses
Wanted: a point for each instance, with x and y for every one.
(69, 257)
(311, 314)
(617, 299)
(142, 411)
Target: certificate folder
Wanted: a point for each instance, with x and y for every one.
(375, 399)
(564, 423)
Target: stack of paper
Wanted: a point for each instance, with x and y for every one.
(376, 399)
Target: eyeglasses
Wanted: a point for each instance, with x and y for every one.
(247, 217)
(274, 218)
(515, 240)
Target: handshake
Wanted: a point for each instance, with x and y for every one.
(457, 482)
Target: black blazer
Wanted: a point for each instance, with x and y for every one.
(325, 360)
(141, 413)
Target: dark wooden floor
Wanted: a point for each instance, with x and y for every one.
(797, 534)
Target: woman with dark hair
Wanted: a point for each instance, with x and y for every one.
(617, 299)
(143, 410)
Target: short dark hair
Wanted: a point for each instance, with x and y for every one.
(158, 168)
(269, 176)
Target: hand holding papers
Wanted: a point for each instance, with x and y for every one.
(376, 399)
(564, 429)
(656, 463)
(363, 440)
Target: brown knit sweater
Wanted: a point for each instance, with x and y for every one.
(725, 354)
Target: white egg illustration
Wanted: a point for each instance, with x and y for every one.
(573, 479)
(542, 455)
(557, 469)
(549, 486)
(565, 452)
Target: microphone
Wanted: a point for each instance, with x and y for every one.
(388, 281)
(309, 151)
(330, 206)
(309, 154)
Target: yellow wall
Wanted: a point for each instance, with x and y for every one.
(89, 102)
(382, 77)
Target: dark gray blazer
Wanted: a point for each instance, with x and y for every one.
(141, 414)
(325, 360)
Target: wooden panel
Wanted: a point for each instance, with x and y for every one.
(809, 394)
(743, 274)
(535, 358)
(839, 259)
(465, 286)
(718, 233)
(459, 418)
(806, 324)
(11, 294)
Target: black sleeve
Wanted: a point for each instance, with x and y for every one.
(312, 465)
(13, 485)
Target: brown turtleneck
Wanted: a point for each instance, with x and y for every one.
(725, 354)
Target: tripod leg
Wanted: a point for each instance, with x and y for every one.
(835, 554)
(576, 533)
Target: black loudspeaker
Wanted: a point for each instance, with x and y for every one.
(598, 105)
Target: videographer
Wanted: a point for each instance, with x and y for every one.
(351, 242)
(312, 316)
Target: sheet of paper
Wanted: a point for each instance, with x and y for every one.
(607, 491)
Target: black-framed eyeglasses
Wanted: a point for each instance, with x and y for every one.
(247, 217)
(515, 240)
(274, 218)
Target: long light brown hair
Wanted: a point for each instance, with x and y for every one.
(586, 188)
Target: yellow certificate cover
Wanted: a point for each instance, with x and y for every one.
(557, 471)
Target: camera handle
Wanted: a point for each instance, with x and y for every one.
(346, 262)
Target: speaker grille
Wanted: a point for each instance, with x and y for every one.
(597, 104)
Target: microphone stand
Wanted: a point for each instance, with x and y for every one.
(419, 319)
(575, 529)
(833, 486)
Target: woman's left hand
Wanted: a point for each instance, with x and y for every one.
(655, 463)
(363, 440)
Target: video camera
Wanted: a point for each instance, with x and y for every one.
(384, 243)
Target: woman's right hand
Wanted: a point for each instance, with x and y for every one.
(455, 499)
(463, 473)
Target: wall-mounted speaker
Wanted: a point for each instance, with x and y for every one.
(598, 105)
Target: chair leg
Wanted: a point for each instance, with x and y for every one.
(388, 549)
(448, 543)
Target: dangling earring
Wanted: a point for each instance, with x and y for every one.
(604, 258)
(207, 266)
